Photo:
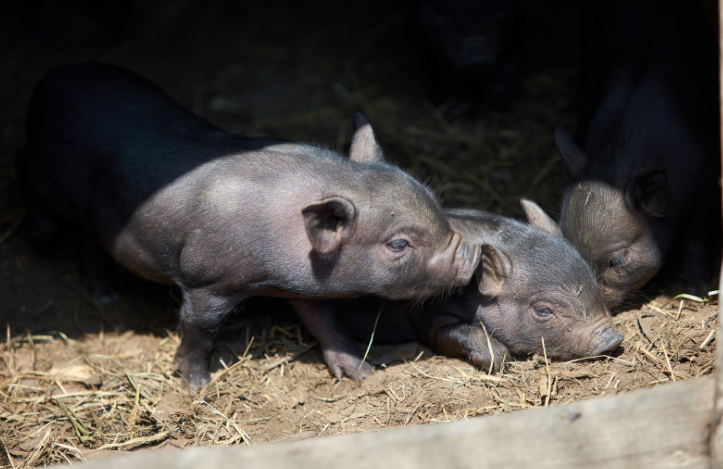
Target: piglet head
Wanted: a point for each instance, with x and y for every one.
(623, 233)
(542, 290)
(385, 233)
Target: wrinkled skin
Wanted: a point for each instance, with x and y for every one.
(474, 45)
(644, 191)
(175, 199)
(531, 284)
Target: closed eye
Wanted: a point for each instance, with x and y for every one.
(618, 260)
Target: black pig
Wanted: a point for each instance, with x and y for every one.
(176, 199)
(530, 284)
(474, 46)
(645, 187)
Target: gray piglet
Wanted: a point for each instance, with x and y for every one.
(175, 199)
(531, 284)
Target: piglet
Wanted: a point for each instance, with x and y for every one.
(642, 188)
(531, 285)
(175, 199)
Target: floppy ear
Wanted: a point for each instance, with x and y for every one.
(650, 193)
(329, 223)
(538, 218)
(493, 270)
(573, 158)
(364, 146)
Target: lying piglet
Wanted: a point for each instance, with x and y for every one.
(530, 285)
(175, 199)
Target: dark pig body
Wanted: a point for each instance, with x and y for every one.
(530, 284)
(175, 199)
(643, 190)
(474, 46)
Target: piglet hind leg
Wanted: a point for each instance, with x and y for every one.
(201, 319)
(45, 227)
(449, 334)
(340, 352)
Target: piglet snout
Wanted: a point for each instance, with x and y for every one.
(607, 339)
(476, 58)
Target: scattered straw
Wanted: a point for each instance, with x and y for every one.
(489, 348)
(371, 338)
(707, 340)
(667, 360)
(549, 376)
(241, 433)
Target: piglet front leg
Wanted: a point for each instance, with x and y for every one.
(449, 332)
(97, 271)
(702, 246)
(469, 342)
(341, 354)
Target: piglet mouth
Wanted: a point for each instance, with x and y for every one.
(607, 339)
(613, 295)
(456, 265)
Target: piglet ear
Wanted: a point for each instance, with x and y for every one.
(493, 270)
(538, 218)
(650, 193)
(364, 146)
(573, 158)
(329, 223)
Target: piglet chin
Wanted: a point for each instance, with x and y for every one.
(451, 271)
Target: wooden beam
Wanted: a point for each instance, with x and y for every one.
(716, 444)
(664, 427)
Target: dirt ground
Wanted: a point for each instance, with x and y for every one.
(80, 381)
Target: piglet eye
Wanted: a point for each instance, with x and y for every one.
(398, 245)
(543, 311)
(618, 260)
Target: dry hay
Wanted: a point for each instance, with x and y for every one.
(63, 400)
(486, 161)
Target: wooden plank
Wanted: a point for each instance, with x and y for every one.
(664, 427)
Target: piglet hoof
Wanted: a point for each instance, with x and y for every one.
(343, 363)
(481, 359)
(697, 288)
(193, 377)
(192, 384)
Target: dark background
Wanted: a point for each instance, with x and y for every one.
(296, 70)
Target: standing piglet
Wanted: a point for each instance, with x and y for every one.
(644, 190)
(531, 284)
(474, 50)
(175, 199)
